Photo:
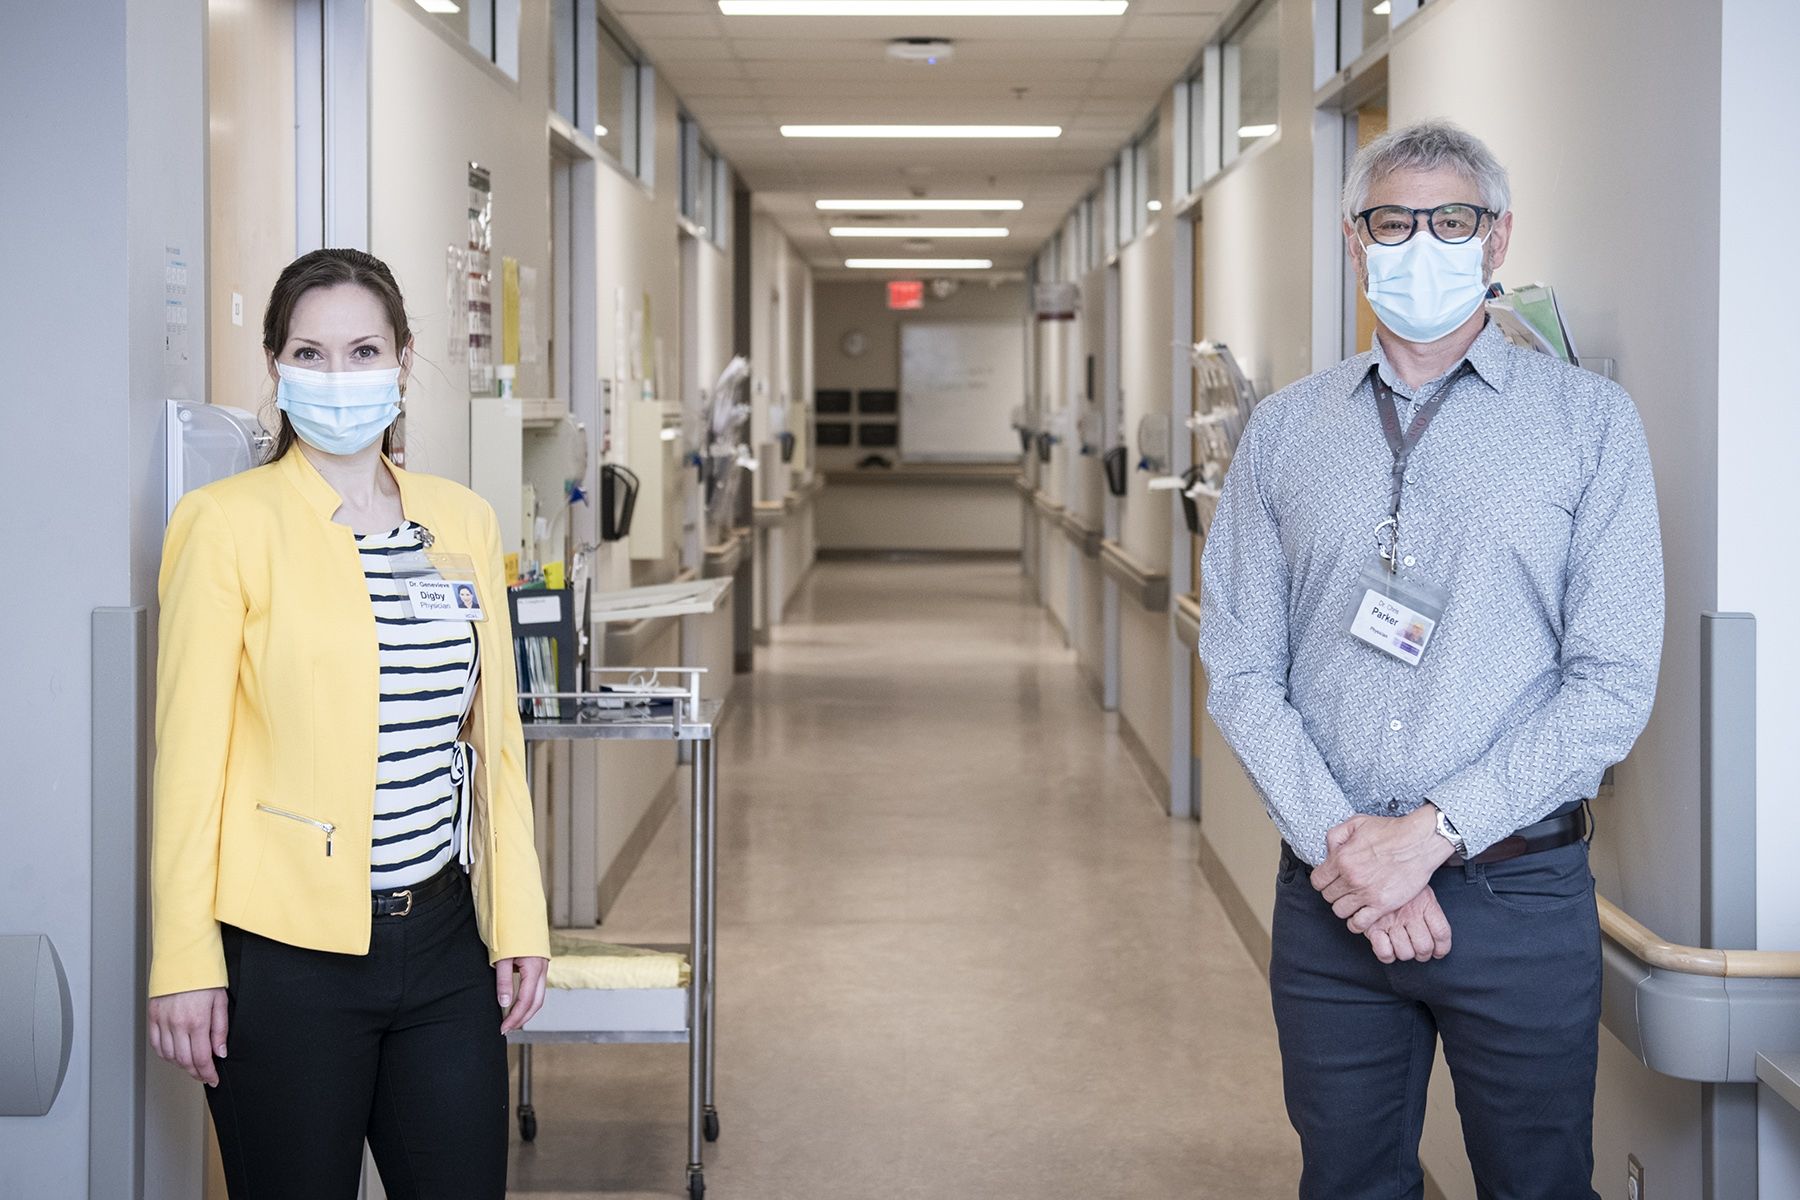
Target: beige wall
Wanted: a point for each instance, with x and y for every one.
(250, 189)
(1647, 124)
(889, 516)
(435, 107)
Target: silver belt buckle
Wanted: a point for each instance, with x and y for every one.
(407, 911)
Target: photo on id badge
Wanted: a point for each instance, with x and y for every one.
(440, 587)
(1394, 613)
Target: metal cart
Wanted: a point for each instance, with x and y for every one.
(638, 704)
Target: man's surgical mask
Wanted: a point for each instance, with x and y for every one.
(1423, 289)
(339, 412)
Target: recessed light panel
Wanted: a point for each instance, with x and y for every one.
(919, 264)
(919, 205)
(900, 231)
(922, 8)
(921, 131)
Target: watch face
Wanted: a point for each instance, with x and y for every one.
(854, 343)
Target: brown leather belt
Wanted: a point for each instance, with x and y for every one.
(1552, 833)
(399, 902)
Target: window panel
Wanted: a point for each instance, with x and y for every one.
(1252, 77)
(1149, 174)
(616, 101)
(490, 27)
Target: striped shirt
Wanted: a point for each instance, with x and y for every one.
(428, 673)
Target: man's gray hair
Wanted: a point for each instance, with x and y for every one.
(1427, 146)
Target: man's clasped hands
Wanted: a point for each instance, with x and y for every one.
(1376, 878)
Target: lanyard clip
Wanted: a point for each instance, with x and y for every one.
(1388, 547)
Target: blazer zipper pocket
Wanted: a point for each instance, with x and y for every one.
(326, 826)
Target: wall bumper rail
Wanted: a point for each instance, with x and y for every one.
(1187, 620)
(1692, 1012)
(1135, 577)
(1079, 533)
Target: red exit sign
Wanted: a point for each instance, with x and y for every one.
(906, 293)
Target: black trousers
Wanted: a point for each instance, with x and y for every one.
(401, 1047)
(1516, 1003)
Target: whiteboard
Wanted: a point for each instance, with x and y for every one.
(959, 383)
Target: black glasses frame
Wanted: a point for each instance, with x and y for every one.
(1428, 213)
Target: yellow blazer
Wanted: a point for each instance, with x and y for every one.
(267, 680)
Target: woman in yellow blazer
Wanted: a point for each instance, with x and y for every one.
(329, 726)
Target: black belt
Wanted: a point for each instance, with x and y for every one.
(1552, 833)
(399, 902)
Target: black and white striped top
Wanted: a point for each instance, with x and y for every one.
(428, 673)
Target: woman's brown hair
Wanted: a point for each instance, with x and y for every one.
(328, 268)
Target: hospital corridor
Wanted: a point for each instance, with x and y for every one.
(899, 599)
(946, 965)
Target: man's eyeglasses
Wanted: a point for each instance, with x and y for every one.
(1394, 224)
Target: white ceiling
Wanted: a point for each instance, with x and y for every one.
(743, 77)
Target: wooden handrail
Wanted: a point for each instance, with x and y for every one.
(1636, 939)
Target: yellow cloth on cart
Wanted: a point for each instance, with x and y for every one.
(579, 960)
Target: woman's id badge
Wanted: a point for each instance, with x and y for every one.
(439, 587)
(1394, 614)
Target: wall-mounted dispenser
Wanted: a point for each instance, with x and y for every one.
(207, 442)
(1114, 463)
(1153, 440)
(1088, 430)
(1023, 426)
(1045, 440)
(618, 500)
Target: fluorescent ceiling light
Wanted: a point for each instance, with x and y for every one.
(922, 8)
(1256, 131)
(852, 231)
(921, 131)
(919, 264)
(438, 6)
(1383, 9)
(919, 205)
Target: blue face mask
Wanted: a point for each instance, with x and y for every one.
(1423, 289)
(339, 412)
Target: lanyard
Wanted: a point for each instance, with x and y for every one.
(1403, 445)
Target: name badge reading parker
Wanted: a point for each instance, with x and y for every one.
(1394, 614)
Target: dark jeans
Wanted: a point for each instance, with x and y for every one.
(401, 1046)
(1517, 1003)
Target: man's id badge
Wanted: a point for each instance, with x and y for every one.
(1394, 614)
(440, 587)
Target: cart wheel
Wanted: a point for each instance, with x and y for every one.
(527, 1123)
(711, 1126)
(696, 1185)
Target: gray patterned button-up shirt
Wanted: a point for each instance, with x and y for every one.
(1530, 499)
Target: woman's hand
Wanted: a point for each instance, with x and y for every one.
(188, 1028)
(521, 1004)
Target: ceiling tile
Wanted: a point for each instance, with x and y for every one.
(1191, 30)
(650, 27)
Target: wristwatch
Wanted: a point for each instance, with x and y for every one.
(1448, 831)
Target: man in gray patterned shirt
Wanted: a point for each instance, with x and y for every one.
(1431, 618)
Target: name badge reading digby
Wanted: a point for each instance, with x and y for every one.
(439, 586)
(1396, 615)
(444, 599)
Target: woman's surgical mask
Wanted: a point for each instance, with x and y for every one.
(339, 412)
(1423, 289)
